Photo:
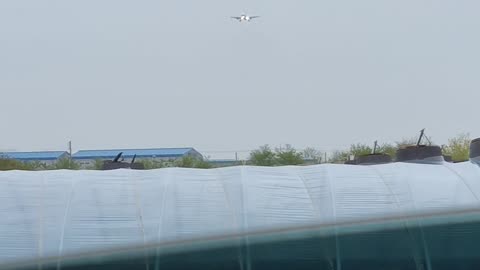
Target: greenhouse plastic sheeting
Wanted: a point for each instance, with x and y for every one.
(53, 213)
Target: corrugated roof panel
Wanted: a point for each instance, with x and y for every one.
(154, 152)
(44, 155)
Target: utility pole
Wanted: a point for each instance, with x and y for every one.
(70, 148)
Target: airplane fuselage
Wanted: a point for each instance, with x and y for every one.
(245, 18)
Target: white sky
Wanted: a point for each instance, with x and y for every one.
(116, 74)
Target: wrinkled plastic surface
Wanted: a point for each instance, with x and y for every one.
(53, 213)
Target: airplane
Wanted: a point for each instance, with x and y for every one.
(244, 18)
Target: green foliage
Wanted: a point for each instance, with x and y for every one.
(288, 156)
(355, 150)
(11, 164)
(97, 165)
(192, 162)
(65, 164)
(413, 141)
(153, 164)
(37, 165)
(406, 142)
(388, 149)
(359, 150)
(186, 162)
(202, 164)
(458, 147)
(264, 156)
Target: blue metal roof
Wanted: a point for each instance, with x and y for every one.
(26, 156)
(128, 153)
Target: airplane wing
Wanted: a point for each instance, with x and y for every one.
(237, 18)
(253, 17)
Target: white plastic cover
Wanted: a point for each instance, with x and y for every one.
(52, 213)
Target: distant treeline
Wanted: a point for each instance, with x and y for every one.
(457, 148)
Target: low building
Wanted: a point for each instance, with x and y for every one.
(45, 157)
(87, 158)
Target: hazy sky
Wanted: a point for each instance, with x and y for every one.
(174, 73)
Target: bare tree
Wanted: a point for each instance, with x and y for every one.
(313, 154)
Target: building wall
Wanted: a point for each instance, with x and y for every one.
(47, 162)
(85, 163)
